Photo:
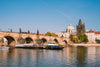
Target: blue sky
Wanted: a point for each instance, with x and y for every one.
(48, 15)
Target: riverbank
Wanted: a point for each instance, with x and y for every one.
(85, 45)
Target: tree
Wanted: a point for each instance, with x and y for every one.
(53, 34)
(75, 40)
(48, 34)
(97, 40)
(71, 38)
(83, 38)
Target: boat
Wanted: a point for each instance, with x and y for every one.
(3, 47)
(26, 46)
(19, 45)
(52, 45)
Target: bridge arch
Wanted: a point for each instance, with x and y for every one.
(44, 40)
(11, 40)
(20, 40)
(56, 41)
(28, 40)
(65, 41)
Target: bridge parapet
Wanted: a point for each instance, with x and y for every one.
(14, 37)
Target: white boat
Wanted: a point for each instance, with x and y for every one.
(4, 48)
(52, 45)
(19, 45)
(25, 45)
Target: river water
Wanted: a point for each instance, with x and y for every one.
(68, 57)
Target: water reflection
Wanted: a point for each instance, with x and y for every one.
(81, 56)
(71, 56)
(68, 57)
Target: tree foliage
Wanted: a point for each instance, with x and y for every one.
(81, 38)
(71, 38)
(75, 40)
(53, 34)
(85, 38)
(50, 34)
(97, 40)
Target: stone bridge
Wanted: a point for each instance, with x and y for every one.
(14, 38)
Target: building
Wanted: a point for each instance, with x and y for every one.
(80, 28)
(70, 29)
(92, 35)
(67, 33)
(63, 34)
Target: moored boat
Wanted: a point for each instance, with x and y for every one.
(30, 46)
(52, 45)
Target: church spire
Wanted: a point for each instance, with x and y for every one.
(37, 32)
(80, 22)
(20, 30)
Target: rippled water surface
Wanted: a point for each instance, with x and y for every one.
(68, 57)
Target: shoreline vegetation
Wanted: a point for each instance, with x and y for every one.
(82, 41)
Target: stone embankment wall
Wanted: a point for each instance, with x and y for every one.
(85, 45)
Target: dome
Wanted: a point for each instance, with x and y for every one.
(70, 27)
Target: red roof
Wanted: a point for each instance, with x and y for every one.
(91, 31)
(34, 33)
(96, 32)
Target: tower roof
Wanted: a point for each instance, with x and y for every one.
(80, 22)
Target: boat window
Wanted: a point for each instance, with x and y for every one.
(51, 43)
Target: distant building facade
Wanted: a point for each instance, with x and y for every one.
(70, 29)
(63, 34)
(92, 35)
(80, 28)
(67, 33)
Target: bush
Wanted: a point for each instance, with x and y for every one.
(50, 34)
(97, 40)
(81, 38)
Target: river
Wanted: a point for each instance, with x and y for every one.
(68, 57)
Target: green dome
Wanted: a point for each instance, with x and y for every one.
(70, 27)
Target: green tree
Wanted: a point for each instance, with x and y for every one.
(83, 38)
(53, 34)
(71, 38)
(76, 40)
(48, 34)
(97, 40)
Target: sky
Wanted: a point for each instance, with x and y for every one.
(48, 15)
